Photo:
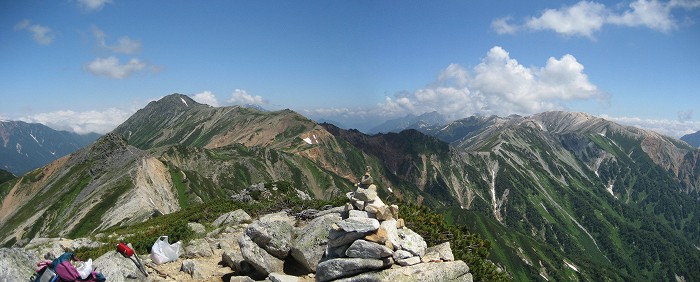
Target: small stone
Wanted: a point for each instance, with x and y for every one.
(192, 268)
(384, 213)
(394, 210)
(379, 237)
(400, 223)
(349, 207)
(366, 194)
(392, 233)
(373, 206)
(358, 224)
(409, 261)
(356, 213)
(360, 205)
(412, 242)
(402, 254)
(369, 250)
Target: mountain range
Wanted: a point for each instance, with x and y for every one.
(562, 196)
(26, 146)
(693, 139)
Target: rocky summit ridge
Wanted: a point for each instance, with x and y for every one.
(364, 240)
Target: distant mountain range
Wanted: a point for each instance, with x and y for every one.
(410, 122)
(561, 196)
(26, 146)
(693, 139)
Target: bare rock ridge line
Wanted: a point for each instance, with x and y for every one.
(364, 240)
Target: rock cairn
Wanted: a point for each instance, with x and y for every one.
(372, 242)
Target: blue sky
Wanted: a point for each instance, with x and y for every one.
(87, 65)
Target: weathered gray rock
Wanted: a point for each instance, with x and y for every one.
(281, 277)
(273, 233)
(198, 228)
(409, 261)
(375, 205)
(232, 218)
(241, 279)
(198, 248)
(401, 254)
(311, 240)
(356, 213)
(437, 253)
(412, 242)
(392, 232)
(340, 238)
(345, 267)
(117, 268)
(366, 194)
(260, 259)
(336, 252)
(366, 249)
(17, 264)
(337, 210)
(423, 272)
(192, 268)
(359, 224)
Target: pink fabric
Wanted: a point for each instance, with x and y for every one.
(42, 264)
(67, 271)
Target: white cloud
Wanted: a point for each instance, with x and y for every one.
(241, 97)
(41, 34)
(498, 85)
(124, 45)
(586, 18)
(583, 18)
(673, 128)
(206, 97)
(93, 5)
(501, 26)
(82, 122)
(110, 67)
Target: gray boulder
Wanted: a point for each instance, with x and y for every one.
(192, 268)
(359, 224)
(422, 272)
(312, 239)
(346, 267)
(281, 277)
(273, 233)
(117, 268)
(17, 264)
(198, 248)
(232, 218)
(412, 242)
(437, 253)
(198, 228)
(260, 259)
(392, 232)
(340, 238)
(366, 249)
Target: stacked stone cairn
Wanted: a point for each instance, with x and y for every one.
(371, 243)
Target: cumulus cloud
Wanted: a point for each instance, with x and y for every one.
(673, 128)
(93, 5)
(124, 45)
(41, 34)
(498, 85)
(206, 97)
(585, 18)
(241, 97)
(82, 122)
(110, 67)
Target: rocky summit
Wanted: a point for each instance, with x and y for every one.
(364, 240)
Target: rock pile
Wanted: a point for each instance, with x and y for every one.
(372, 237)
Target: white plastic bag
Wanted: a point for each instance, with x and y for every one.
(85, 268)
(162, 252)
